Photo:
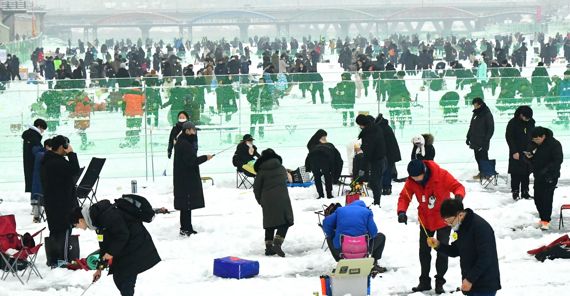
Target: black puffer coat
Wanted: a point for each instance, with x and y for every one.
(518, 136)
(481, 128)
(125, 238)
(270, 189)
(393, 154)
(547, 158)
(188, 193)
(324, 156)
(58, 180)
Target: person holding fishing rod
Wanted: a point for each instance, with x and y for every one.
(188, 193)
(431, 185)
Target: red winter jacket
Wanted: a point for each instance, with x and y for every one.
(430, 196)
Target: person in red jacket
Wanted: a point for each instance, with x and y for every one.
(431, 185)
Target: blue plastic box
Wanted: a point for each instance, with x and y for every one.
(235, 268)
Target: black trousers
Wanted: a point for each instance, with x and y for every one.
(186, 220)
(425, 256)
(327, 173)
(271, 232)
(125, 284)
(481, 155)
(377, 169)
(377, 248)
(519, 181)
(59, 246)
(543, 196)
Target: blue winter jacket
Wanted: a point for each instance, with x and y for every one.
(38, 152)
(354, 220)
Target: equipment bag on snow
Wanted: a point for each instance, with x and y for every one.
(136, 206)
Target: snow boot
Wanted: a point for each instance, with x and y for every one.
(477, 177)
(376, 269)
(387, 191)
(277, 243)
(269, 248)
(422, 287)
(515, 194)
(439, 286)
(526, 195)
(185, 233)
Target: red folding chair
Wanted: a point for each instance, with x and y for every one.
(15, 254)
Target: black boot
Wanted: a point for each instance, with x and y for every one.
(277, 243)
(387, 191)
(423, 286)
(526, 195)
(269, 248)
(439, 286)
(515, 194)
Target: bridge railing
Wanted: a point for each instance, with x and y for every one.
(103, 119)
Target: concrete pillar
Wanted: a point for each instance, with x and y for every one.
(189, 28)
(145, 32)
(95, 35)
(85, 34)
(243, 32)
(344, 30)
(181, 31)
(447, 25)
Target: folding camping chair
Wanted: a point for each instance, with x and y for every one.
(354, 247)
(87, 188)
(17, 251)
(243, 179)
(561, 222)
(321, 216)
(342, 184)
(488, 173)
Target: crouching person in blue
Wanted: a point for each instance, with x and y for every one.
(124, 243)
(354, 220)
(475, 245)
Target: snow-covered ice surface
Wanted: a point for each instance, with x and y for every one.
(231, 223)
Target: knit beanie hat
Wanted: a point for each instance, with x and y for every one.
(416, 167)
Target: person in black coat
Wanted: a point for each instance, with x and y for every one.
(323, 160)
(423, 147)
(58, 177)
(126, 244)
(188, 193)
(546, 157)
(517, 134)
(393, 154)
(374, 150)
(176, 130)
(245, 153)
(32, 137)
(475, 246)
(480, 132)
(271, 193)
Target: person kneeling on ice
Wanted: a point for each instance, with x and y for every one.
(354, 220)
(271, 193)
(124, 242)
(476, 247)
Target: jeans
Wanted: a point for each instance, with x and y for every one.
(125, 284)
(481, 155)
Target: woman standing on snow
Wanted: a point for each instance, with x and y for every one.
(188, 193)
(270, 189)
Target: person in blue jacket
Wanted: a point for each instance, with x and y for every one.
(354, 220)
(475, 246)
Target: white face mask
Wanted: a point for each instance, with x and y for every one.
(182, 119)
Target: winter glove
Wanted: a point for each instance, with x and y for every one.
(467, 142)
(402, 218)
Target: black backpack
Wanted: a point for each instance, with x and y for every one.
(136, 206)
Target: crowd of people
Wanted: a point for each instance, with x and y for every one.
(131, 76)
